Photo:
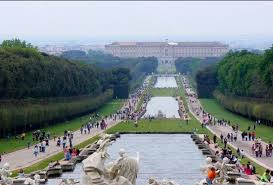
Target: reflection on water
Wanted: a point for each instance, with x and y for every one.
(168, 105)
(169, 156)
(165, 82)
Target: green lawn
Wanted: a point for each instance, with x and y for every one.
(164, 91)
(166, 68)
(213, 107)
(12, 144)
(159, 125)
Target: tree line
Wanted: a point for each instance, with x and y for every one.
(191, 66)
(138, 67)
(37, 89)
(242, 81)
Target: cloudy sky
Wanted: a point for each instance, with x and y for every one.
(138, 20)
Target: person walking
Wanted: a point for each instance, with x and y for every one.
(35, 151)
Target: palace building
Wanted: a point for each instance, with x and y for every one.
(167, 52)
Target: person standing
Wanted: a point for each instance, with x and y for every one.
(35, 152)
(64, 143)
(214, 139)
(221, 138)
(211, 175)
(225, 142)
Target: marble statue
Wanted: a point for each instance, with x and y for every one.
(68, 182)
(152, 181)
(125, 166)
(160, 114)
(5, 173)
(207, 166)
(122, 171)
(36, 181)
(222, 179)
(103, 137)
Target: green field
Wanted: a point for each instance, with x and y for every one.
(12, 144)
(213, 107)
(166, 68)
(164, 91)
(159, 125)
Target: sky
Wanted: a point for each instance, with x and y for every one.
(121, 20)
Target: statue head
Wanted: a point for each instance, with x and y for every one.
(208, 160)
(121, 152)
(6, 166)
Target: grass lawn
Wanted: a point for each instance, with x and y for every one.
(12, 144)
(166, 68)
(159, 125)
(213, 107)
(164, 91)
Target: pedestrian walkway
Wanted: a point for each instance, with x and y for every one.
(25, 157)
(196, 109)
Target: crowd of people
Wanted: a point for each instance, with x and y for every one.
(249, 135)
(245, 168)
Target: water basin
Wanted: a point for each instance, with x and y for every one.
(168, 105)
(165, 82)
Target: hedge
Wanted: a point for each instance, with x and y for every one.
(251, 109)
(15, 119)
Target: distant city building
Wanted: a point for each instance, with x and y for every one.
(59, 49)
(167, 52)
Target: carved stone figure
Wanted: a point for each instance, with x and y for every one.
(94, 165)
(5, 173)
(126, 167)
(121, 172)
(207, 166)
(36, 181)
(223, 172)
(152, 181)
(68, 182)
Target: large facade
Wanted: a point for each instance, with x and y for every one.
(167, 52)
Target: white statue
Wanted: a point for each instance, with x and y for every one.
(68, 182)
(103, 137)
(125, 166)
(5, 173)
(121, 172)
(207, 166)
(222, 179)
(152, 181)
(36, 181)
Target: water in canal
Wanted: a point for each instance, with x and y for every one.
(165, 82)
(169, 156)
(168, 105)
